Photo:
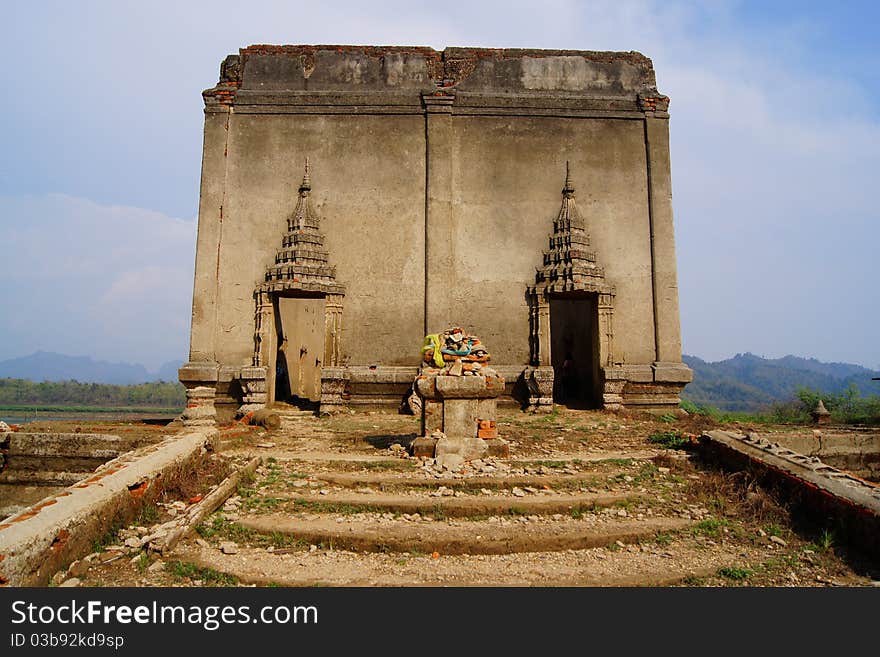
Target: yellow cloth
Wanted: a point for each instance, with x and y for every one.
(433, 341)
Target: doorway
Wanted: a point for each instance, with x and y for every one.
(299, 324)
(574, 350)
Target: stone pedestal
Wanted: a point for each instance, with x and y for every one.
(458, 417)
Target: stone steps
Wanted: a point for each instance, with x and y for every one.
(337, 518)
(492, 482)
(465, 537)
(634, 565)
(454, 507)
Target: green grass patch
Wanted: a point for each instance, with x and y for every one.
(149, 515)
(711, 527)
(185, 570)
(399, 465)
(555, 465)
(221, 528)
(109, 537)
(824, 542)
(669, 440)
(263, 504)
(316, 506)
(622, 462)
(734, 573)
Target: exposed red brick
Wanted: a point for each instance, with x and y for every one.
(138, 490)
(60, 541)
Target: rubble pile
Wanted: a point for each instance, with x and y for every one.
(455, 353)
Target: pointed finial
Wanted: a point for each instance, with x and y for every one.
(568, 190)
(307, 181)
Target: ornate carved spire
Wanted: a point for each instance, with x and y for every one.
(568, 264)
(302, 261)
(304, 216)
(306, 185)
(569, 216)
(568, 190)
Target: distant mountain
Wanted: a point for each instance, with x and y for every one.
(168, 371)
(748, 382)
(47, 366)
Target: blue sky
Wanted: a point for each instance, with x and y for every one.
(775, 154)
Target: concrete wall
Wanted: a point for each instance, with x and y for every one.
(437, 177)
(507, 177)
(375, 238)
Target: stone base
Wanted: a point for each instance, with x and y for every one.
(200, 411)
(455, 450)
(425, 447)
(539, 383)
(657, 398)
(499, 448)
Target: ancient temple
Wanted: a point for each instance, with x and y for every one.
(431, 198)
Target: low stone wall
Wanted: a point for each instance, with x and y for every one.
(44, 458)
(831, 497)
(855, 450)
(61, 528)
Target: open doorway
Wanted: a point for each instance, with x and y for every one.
(574, 350)
(299, 325)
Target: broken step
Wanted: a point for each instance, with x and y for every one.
(253, 571)
(489, 481)
(477, 537)
(456, 507)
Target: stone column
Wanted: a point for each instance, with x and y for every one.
(211, 200)
(264, 328)
(663, 264)
(200, 380)
(544, 356)
(670, 374)
(200, 411)
(605, 309)
(439, 224)
(332, 330)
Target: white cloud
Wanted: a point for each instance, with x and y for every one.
(81, 278)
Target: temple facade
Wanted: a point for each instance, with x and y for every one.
(356, 198)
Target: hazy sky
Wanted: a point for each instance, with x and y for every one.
(775, 157)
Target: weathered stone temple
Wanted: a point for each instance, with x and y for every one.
(523, 195)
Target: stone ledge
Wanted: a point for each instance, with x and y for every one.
(46, 537)
(634, 373)
(672, 373)
(199, 372)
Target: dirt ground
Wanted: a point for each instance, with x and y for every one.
(586, 498)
